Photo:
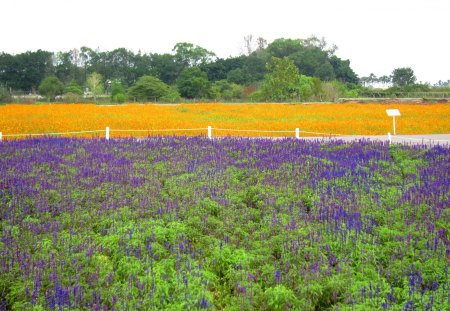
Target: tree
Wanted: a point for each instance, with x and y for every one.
(238, 75)
(194, 83)
(64, 68)
(50, 87)
(256, 67)
(261, 44)
(120, 64)
(4, 94)
(227, 91)
(309, 59)
(95, 84)
(148, 88)
(325, 72)
(74, 88)
(189, 55)
(117, 91)
(25, 71)
(249, 45)
(165, 67)
(215, 71)
(342, 70)
(403, 77)
(310, 88)
(321, 43)
(282, 83)
(284, 47)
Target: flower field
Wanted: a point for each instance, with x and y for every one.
(187, 223)
(347, 119)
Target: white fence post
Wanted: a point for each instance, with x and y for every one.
(107, 133)
(390, 138)
(297, 133)
(209, 131)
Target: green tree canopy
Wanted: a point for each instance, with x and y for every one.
(282, 83)
(95, 84)
(165, 67)
(403, 77)
(4, 94)
(284, 47)
(312, 56)
(194, 83)
(74, 88)
(50, 87)
(148, 88)
(227, 91)
(117, 92)
(310, 88)
(25, 71)
(189, 55)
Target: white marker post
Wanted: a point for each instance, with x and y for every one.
(107, 133)
(209, 131)
(297, 133)
(393, 113)
(389, 138)
(1, 136)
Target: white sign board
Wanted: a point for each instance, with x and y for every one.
(393, 112)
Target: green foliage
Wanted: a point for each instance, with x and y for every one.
(311, 56)
(25, 71)
(95, 84)
(332, 91)
(148, 88)
(117, 91)
(74, 88)
(325, 72)
(405, 161)
(194, 83)
(282, 83)
(227, 91)
(4, 94)
(403, 77)
(280, 298)
(189, 55)
(310, 88)
(50, 87)
(172, 95)
(238, 76)
(120, 98)
(226, 260)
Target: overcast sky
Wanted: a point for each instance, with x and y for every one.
(376, 36)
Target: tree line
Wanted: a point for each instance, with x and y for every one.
(284, 70)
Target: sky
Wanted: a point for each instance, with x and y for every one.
(377, 36)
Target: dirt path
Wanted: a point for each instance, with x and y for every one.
(433, 139)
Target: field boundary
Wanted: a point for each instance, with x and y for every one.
(426, 139)
(209, 130)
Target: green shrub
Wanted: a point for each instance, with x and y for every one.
(120, 98)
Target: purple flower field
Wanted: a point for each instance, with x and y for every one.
(180, 223)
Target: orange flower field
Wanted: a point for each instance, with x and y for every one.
(345, 119)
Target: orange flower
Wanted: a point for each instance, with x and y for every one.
(347, 119)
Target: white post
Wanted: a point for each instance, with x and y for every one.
(1, 136)
(390, 138)
(107, 133)
(394, 123)
(209, 131)
(297, 133)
